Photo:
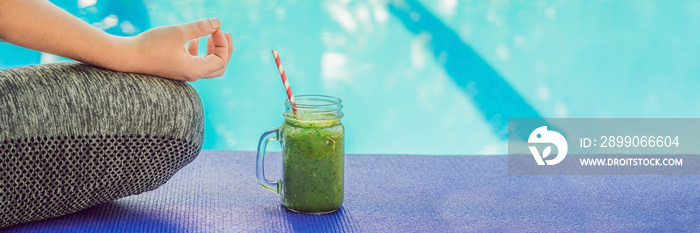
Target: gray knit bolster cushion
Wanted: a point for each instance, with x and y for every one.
(74, 136)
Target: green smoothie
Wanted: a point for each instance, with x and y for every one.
(313, 163)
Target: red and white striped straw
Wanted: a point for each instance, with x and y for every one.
(284, 78)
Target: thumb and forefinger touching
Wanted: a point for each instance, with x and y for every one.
(219, 47)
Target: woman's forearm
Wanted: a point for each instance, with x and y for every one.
(39, 25)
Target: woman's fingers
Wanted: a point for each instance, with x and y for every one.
(215, 61)
(210, 45)
(221, 71)
(230, 46)
(200, 28)
(192, 47)
(219, 46)
(172, 51)
(219, 50)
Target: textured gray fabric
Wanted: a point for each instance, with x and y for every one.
(73, 136)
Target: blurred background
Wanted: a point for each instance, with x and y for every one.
(435, 77)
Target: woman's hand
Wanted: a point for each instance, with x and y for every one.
(40, 25)
(161, 51)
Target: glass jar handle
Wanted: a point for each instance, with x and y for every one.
(260, 164)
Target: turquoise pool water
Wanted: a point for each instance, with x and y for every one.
(429, 77)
